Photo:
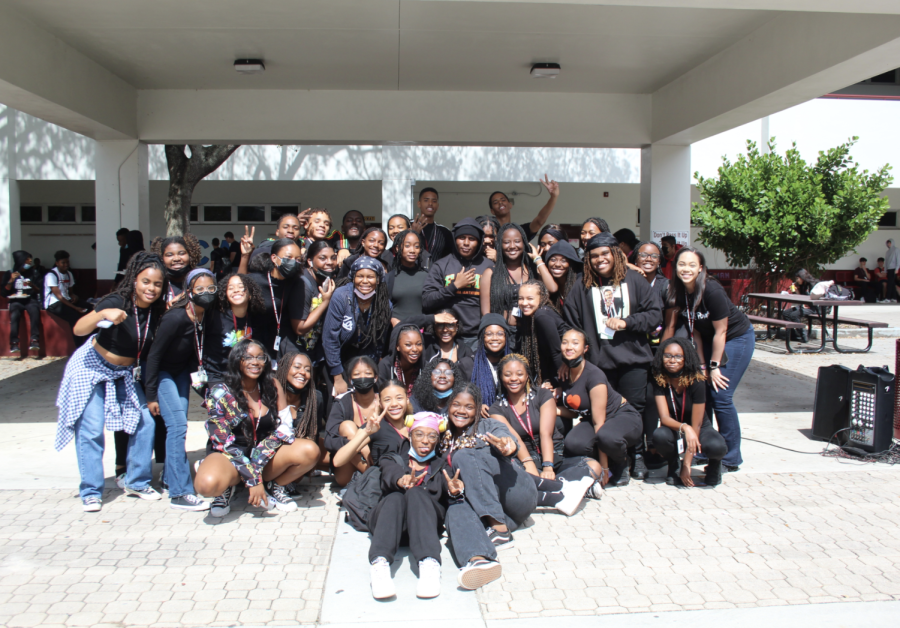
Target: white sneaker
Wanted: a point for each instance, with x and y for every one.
(92, 504)
(120, 481)
(429, 579)
(148, 493)
(380, 575)
(573, 493)
(596, 490)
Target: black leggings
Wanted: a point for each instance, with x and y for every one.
(413, 512)
(631, 383)
(159, 443)
(548, 490)
(712, 445)
(621, 430)
(16, 308)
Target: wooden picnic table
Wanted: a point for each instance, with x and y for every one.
(820, 306)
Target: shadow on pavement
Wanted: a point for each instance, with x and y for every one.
(767, 388)
(30, 396)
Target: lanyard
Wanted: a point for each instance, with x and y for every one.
(691, 315)
(198, 339)
(277, 311)
(248, 332)
(137, 323)
(172, 295)
(250, 414)
(399, 373)
(526, 424)
(522, 269)
(683, 400)
(421, 478)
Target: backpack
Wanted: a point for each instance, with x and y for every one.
(362, 495)
(837, 293)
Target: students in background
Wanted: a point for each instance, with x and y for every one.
(180, 254)
(548, 236)
(438, 238)
(373, 243)
(628, 242)
(58, 296)
(22, 289)
(396, 224)
(669, 248)
(592, 227)
(352, 226)
(407, 275)
(863, 281)
(216, 256)
(879, 280)
(288, 226)
(501, 207)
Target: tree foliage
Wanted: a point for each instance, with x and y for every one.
(777, 213)
(184, 175)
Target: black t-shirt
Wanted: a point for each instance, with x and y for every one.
(215, 257)
(174, 348)
(220, 337)
(531, 417)
(235, 247)
(406, 293)
(265, 324)
(577, 396)
(122, 339)
(714, 306)
(683, 409)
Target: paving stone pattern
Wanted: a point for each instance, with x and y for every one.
(757, 540)
(142, 563)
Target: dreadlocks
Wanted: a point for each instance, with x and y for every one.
(138, 263)
(690, 371)
(306, 426)
(505, 291)
(530, 347)
(592, 279)
(379, 320)
(189, 241)
(423, 390)
(483, 371)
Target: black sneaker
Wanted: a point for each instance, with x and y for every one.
(14, 348)
(731, 468)
(162, 479)
(477, 573)
(619, 475)
(672, 475)
(189, 502)
(713, 473)
(501, 540)
(221, 505)
(279, 495)
(34, 346)
(639, 470)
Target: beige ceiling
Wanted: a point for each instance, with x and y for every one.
(390, 44)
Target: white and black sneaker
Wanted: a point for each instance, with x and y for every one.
(478, 572)
(120, 481)
(382, 583)
(595, 491)
(221, 505)
(148, 493)
(280, 497)
(91, 504)
(501, 540)
(189, 502)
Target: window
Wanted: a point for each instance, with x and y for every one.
(30, 213)
(217, 213)
(888, 220)
(88, 213)
(195, 213)
(887, 77)
(279, 210)
(61, 213)
(251, 213)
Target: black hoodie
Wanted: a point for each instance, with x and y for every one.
(440, 291)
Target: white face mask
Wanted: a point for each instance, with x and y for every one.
(363, 297)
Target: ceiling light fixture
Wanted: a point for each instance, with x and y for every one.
(250, 66)
(545, 70)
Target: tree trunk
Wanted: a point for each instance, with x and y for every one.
(184, 175)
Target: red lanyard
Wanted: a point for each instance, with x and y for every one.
(250, 414)
(526, 424)
(198, 339)
(691, 315)
(137, 323)
(274, 309)
(399, 373)
(248, 331)
(674, 407)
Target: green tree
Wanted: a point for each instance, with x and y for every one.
(777, 213)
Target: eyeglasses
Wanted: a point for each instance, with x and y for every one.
(439, 372)
(208, 290)
(653, 256)
(668, 357)
(255, 358)
(430, 437)
(498, 334)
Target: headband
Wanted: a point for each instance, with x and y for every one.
(364, 262)
(426, 419)
(601, 240)
(195, 273)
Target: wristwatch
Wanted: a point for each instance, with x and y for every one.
(713, 365)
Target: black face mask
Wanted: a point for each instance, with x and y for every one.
(179, 273)
(574, 361)
(323, 274)
(204, 300)
(290, 388)
(288, 268)
(363, 384)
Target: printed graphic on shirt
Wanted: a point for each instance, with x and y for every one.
(610, 302)
(312, 336)
(235, 336)
(475, 291)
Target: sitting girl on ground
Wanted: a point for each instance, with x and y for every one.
(434, 386)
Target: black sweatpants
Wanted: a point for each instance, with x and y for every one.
(631, 383)
(413, 512)
(891, 284)
(621, 430)
(712, 444)
(16, 308)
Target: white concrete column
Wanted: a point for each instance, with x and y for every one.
(666, 192)
(10, 224)
(122, 197)
(396, 182)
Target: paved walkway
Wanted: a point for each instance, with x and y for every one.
(789, 529)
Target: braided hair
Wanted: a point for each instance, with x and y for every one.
(592, 279)
(254, 294)
(530, 347)
(512, 357)
(397, 249)
(691, 371)
(189, 241)
(307, 425)
(379, 323)
(423, 391)
(138, 263)
(396, 371)
(504, 291)
(482, 370)
(233, 377)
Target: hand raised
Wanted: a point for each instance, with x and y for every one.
(303, 217)
(327, 289)
(552, 186)
(455, 486)
(406, 481)
(247, 240)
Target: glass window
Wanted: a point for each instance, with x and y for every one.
(61, 213)
(251, 213)
(30, 213)
(217, 213)
(279, 210)
(888, 220)
(195, 213)
(88, 213)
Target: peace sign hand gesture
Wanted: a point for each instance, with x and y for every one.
(455, 486)
(552, 186)
(504, 445)
(247, 240)
(374, 422)
(303, 217)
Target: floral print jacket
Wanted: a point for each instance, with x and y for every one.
(227, 421)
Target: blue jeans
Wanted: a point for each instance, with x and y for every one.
(90, 442)
(740, 351)
(172, 394)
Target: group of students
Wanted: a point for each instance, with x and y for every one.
(456, 378)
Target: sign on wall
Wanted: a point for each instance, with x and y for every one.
(681, 237)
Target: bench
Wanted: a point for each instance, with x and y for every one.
(56, 335)
(869, 325)
(777, 322)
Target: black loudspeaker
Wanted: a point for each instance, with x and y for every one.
(859, 402)
(832, 410)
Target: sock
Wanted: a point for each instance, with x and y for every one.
(549, 499)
